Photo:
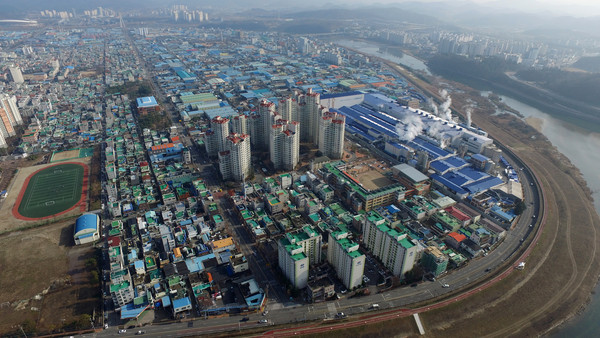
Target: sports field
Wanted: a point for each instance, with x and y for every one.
(52, 190)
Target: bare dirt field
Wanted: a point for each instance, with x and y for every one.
(65, 155)
(9, 222)
(44, 279)
(373, 180)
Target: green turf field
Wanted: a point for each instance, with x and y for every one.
(52, 190)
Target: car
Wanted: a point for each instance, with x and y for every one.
(122, 331)
(445, 285)
(263, 321)
(488, 269)
(140, 332)
(340, 315)
(265, 313)
(245, 319)
(375, 306)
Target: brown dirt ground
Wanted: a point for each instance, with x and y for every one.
(38, 261)
(11, 223)
(373, 180)
(65, 155)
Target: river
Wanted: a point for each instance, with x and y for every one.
(373, 49)
(579, 145)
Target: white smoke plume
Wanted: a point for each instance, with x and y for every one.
(445, 111)
(468, 111)
(444, 142)
(433, 106)
(410, 127)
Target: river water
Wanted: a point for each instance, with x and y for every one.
(372, 49)
(581, 146)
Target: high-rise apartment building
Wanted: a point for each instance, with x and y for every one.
(297, 251)
(293, 262)
(239, 124)
(288, 108)
(220, 127)
(9, 115)
(266, 113)
(346, 258)
(234, 161)
(331, 135)
(395, 249)
(284, 146)
(309, 116)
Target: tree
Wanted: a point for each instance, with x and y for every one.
(520, 207)
(414, 275)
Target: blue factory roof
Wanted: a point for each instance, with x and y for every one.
(472, 174)
(484, 184)
(148, 101)
(86, 222)
(448, 184)
(433, 150)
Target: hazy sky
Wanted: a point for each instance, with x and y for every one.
(570, 7)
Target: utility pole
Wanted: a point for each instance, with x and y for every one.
(21, 327)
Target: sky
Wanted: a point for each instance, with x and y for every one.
(583, 8)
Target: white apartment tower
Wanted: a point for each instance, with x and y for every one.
(346, 258)
(309, 116)
(239, 124)
(220, 127)
(234, 161)
(266, 111)
(9, 103)
(331, 135)
(284, 146)
(9, 115)
(296, 251)
(288, 109)
(293, 262)
(395, 250)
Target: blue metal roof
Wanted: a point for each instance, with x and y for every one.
(484, 184)
(86, 222)
(448, 184)
(472, 174)
(182, 302)
(148, 101)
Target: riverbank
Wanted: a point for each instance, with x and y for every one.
(528, 302)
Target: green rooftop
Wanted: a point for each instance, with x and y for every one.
(118, 287)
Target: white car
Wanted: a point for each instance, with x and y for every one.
(445, 285)
(122, 331)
